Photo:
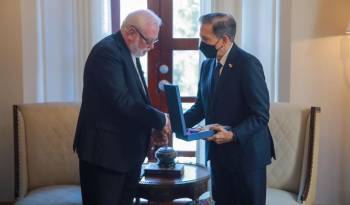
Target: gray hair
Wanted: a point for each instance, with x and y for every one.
(223, 24)
(141, 19)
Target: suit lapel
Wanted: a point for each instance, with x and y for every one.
(210, 83)
(126, 56)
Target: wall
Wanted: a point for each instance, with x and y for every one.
(320, 75)
(10, 88)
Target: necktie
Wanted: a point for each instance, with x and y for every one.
(217, 73)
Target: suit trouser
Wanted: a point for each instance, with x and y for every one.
(238, 187)
(101, 186)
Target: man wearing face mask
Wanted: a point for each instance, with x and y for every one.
(116, 117)
(232, 92)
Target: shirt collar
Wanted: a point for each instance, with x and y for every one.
(133, 59)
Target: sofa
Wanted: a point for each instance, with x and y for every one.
(47, 172)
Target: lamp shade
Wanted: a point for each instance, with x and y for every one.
(348, 29)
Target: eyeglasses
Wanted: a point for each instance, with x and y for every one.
(148, 41)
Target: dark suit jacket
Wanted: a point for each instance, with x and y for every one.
(116, 117)
(240, 100)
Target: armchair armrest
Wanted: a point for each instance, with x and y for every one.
(307, 191)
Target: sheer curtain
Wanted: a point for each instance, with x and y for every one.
(259, 29)
(57, 39)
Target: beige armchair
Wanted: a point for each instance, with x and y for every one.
(292, 178)
(46, 169)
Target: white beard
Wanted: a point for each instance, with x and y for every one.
(136, 51)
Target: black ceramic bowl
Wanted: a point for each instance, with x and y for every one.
(166, 157)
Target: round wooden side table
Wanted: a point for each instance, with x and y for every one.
(192, 184)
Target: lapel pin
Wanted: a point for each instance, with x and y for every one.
(230, 65)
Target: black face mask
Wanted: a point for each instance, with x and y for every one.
(209, 51)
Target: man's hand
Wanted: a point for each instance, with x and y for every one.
(158, 138)
(161, 137)
(222, 135)
(167, 127)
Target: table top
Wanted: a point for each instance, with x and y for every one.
(192, 174)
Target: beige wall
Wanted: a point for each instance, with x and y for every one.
(320, 75)
(10, 88)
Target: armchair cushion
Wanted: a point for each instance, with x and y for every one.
(279, 197)
(58, 195)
